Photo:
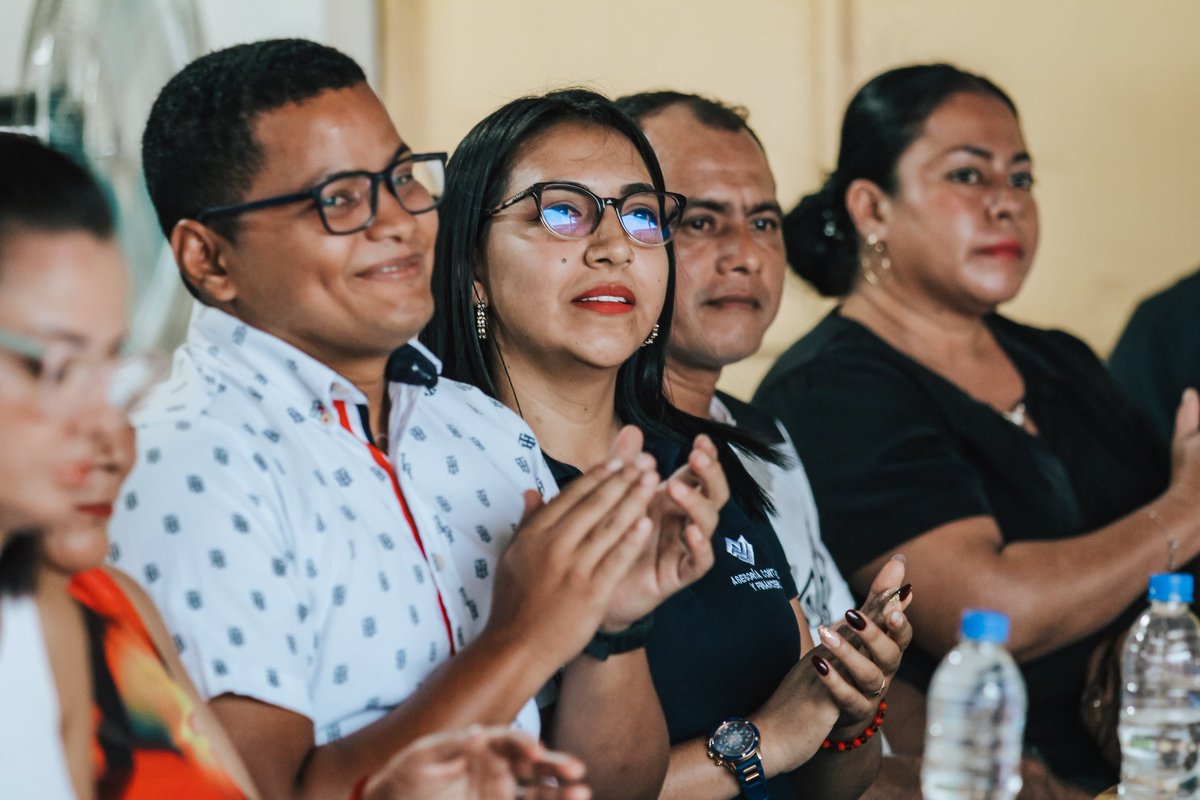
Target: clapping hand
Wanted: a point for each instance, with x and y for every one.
(684, 512)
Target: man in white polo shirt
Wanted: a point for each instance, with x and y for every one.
(313, 595)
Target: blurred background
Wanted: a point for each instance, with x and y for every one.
(1109, 92)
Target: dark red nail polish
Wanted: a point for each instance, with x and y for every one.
(905, 591)
(821, 664)
(856, 620)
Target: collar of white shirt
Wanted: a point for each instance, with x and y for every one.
(254, 357)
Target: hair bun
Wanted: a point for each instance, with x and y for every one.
(820, 242)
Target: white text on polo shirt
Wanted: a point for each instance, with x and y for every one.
(760, 580)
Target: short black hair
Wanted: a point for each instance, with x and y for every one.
(199, 150)
(884, 117)
(42, 189)
(708, 111)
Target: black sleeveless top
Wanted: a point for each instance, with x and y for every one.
(893, 450)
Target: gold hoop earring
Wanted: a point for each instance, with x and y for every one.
(878, 247)
(481, 323)
(653, 335)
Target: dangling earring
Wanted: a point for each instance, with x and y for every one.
(879, 248)
(653, 335)
(481, 320)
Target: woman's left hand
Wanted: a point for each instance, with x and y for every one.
(865, 651)
(684, 512)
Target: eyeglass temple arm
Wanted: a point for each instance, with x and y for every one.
(221, 211)
(512, 201)
(21, 345)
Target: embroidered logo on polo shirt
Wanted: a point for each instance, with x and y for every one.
(740, 549)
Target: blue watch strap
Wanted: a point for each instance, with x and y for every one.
(750, 777)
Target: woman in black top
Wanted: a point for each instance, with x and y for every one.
(1000, 458)
(561, 310)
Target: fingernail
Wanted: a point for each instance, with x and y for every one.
(615, 465)
(856, 620)
(897, 619)
(900, 557)
(645, 461)
(905, 591)
(829, 637)
(821, 664)
(702, 459)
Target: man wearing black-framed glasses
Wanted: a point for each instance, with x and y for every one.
(317, 598)
(348, 201)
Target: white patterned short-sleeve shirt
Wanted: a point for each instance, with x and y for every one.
(469, 461)
(267, 528)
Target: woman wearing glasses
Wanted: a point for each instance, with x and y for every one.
(63, 289)
(560, 309)
(44, 416)
(68, 446)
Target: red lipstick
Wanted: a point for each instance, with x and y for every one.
(1011, 250)
(609, 298)
(101, 510)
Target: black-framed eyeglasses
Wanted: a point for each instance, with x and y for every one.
(348, 201)
(573, 211)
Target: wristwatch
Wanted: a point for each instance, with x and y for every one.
(604, 644)
(734, 744)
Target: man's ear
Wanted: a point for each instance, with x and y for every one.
(200, 255)
(869, 207)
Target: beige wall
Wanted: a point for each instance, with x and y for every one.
(1109, 92)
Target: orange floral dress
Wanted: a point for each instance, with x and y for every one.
(147, 744)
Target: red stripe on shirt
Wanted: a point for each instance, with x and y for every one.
(382, 460)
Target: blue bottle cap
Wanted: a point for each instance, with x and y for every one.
(1171, 587)
(984, 625)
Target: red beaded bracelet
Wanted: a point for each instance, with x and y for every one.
(862, 738)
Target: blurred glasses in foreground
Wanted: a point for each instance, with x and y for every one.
(64, 383)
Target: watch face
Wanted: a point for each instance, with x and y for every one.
(734, 739)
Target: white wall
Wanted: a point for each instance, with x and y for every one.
(349, 25)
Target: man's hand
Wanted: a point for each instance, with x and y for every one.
(478, 764)
(557, 578)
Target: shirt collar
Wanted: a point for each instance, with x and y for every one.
(414, 364)
(260, 359)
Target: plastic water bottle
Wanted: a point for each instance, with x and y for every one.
(1160, 704)
(976, 716)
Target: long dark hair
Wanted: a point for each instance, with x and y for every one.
(476, 176)
(885, 116)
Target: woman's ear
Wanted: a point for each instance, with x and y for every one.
(200, 256)
(479, 292)
(869, 207)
